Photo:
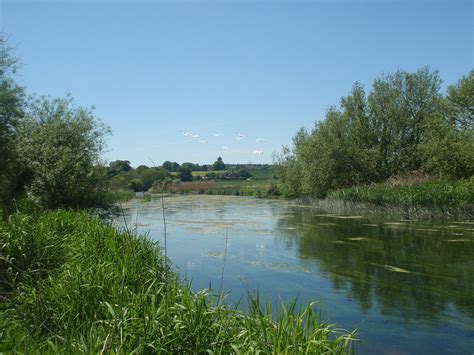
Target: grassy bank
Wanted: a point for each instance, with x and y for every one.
(438, 197)
(69, 283)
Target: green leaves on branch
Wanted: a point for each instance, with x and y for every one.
(404, 124)
(59, 146)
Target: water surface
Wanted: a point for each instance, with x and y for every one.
(407, 286)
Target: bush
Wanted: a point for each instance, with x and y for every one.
(59, 146)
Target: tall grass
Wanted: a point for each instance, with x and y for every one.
(69, 283)
(451, 197)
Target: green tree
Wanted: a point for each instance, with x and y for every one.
(218, 164)
(59, 144)
(151, 175)
(11, 109)
(136, 185)
(449, 148)
(185, 173)
(171, 166)
(369, 138)
(400, 106)
(118, 166)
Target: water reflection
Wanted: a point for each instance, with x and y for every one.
(411, 271)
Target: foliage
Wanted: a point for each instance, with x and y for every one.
(404, 124)
(136, 185)
(11, 109)
(120, 196)
(435, 194)
(185, 173)
(449, 147)
(59, 146)
(170, 166)
(84, 287)
(140, 179)
(118, 166)
(218, 164)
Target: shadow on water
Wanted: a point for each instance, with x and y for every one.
(408, 269)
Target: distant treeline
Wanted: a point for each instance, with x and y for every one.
(403, 126)
(122, 176)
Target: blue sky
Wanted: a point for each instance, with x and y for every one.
(261, 69)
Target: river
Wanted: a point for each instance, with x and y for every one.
(406, 285)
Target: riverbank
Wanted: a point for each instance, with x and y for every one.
(432, 199)
(445, 199)
(70, 283)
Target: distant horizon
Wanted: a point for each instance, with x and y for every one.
(191, 81)
(159, 164)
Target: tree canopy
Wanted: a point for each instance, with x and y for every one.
(403, 124)
(218, 164)
(59, 146)
(12, 105)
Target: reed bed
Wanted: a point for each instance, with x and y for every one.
(69, 283)
(433, 198)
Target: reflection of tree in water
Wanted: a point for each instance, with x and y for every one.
(410, 274)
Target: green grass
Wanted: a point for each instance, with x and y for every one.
(71, 284)
(435, 194)
(120, 195)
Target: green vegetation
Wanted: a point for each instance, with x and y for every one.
(12, 105)
(439, 195)
(70, 283)
(218, 164)
(50, 148)
(185, 173)
(123, 177)
(404, 125)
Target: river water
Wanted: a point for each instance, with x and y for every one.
(407, 286)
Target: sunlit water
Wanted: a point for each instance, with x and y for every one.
(407, 286)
